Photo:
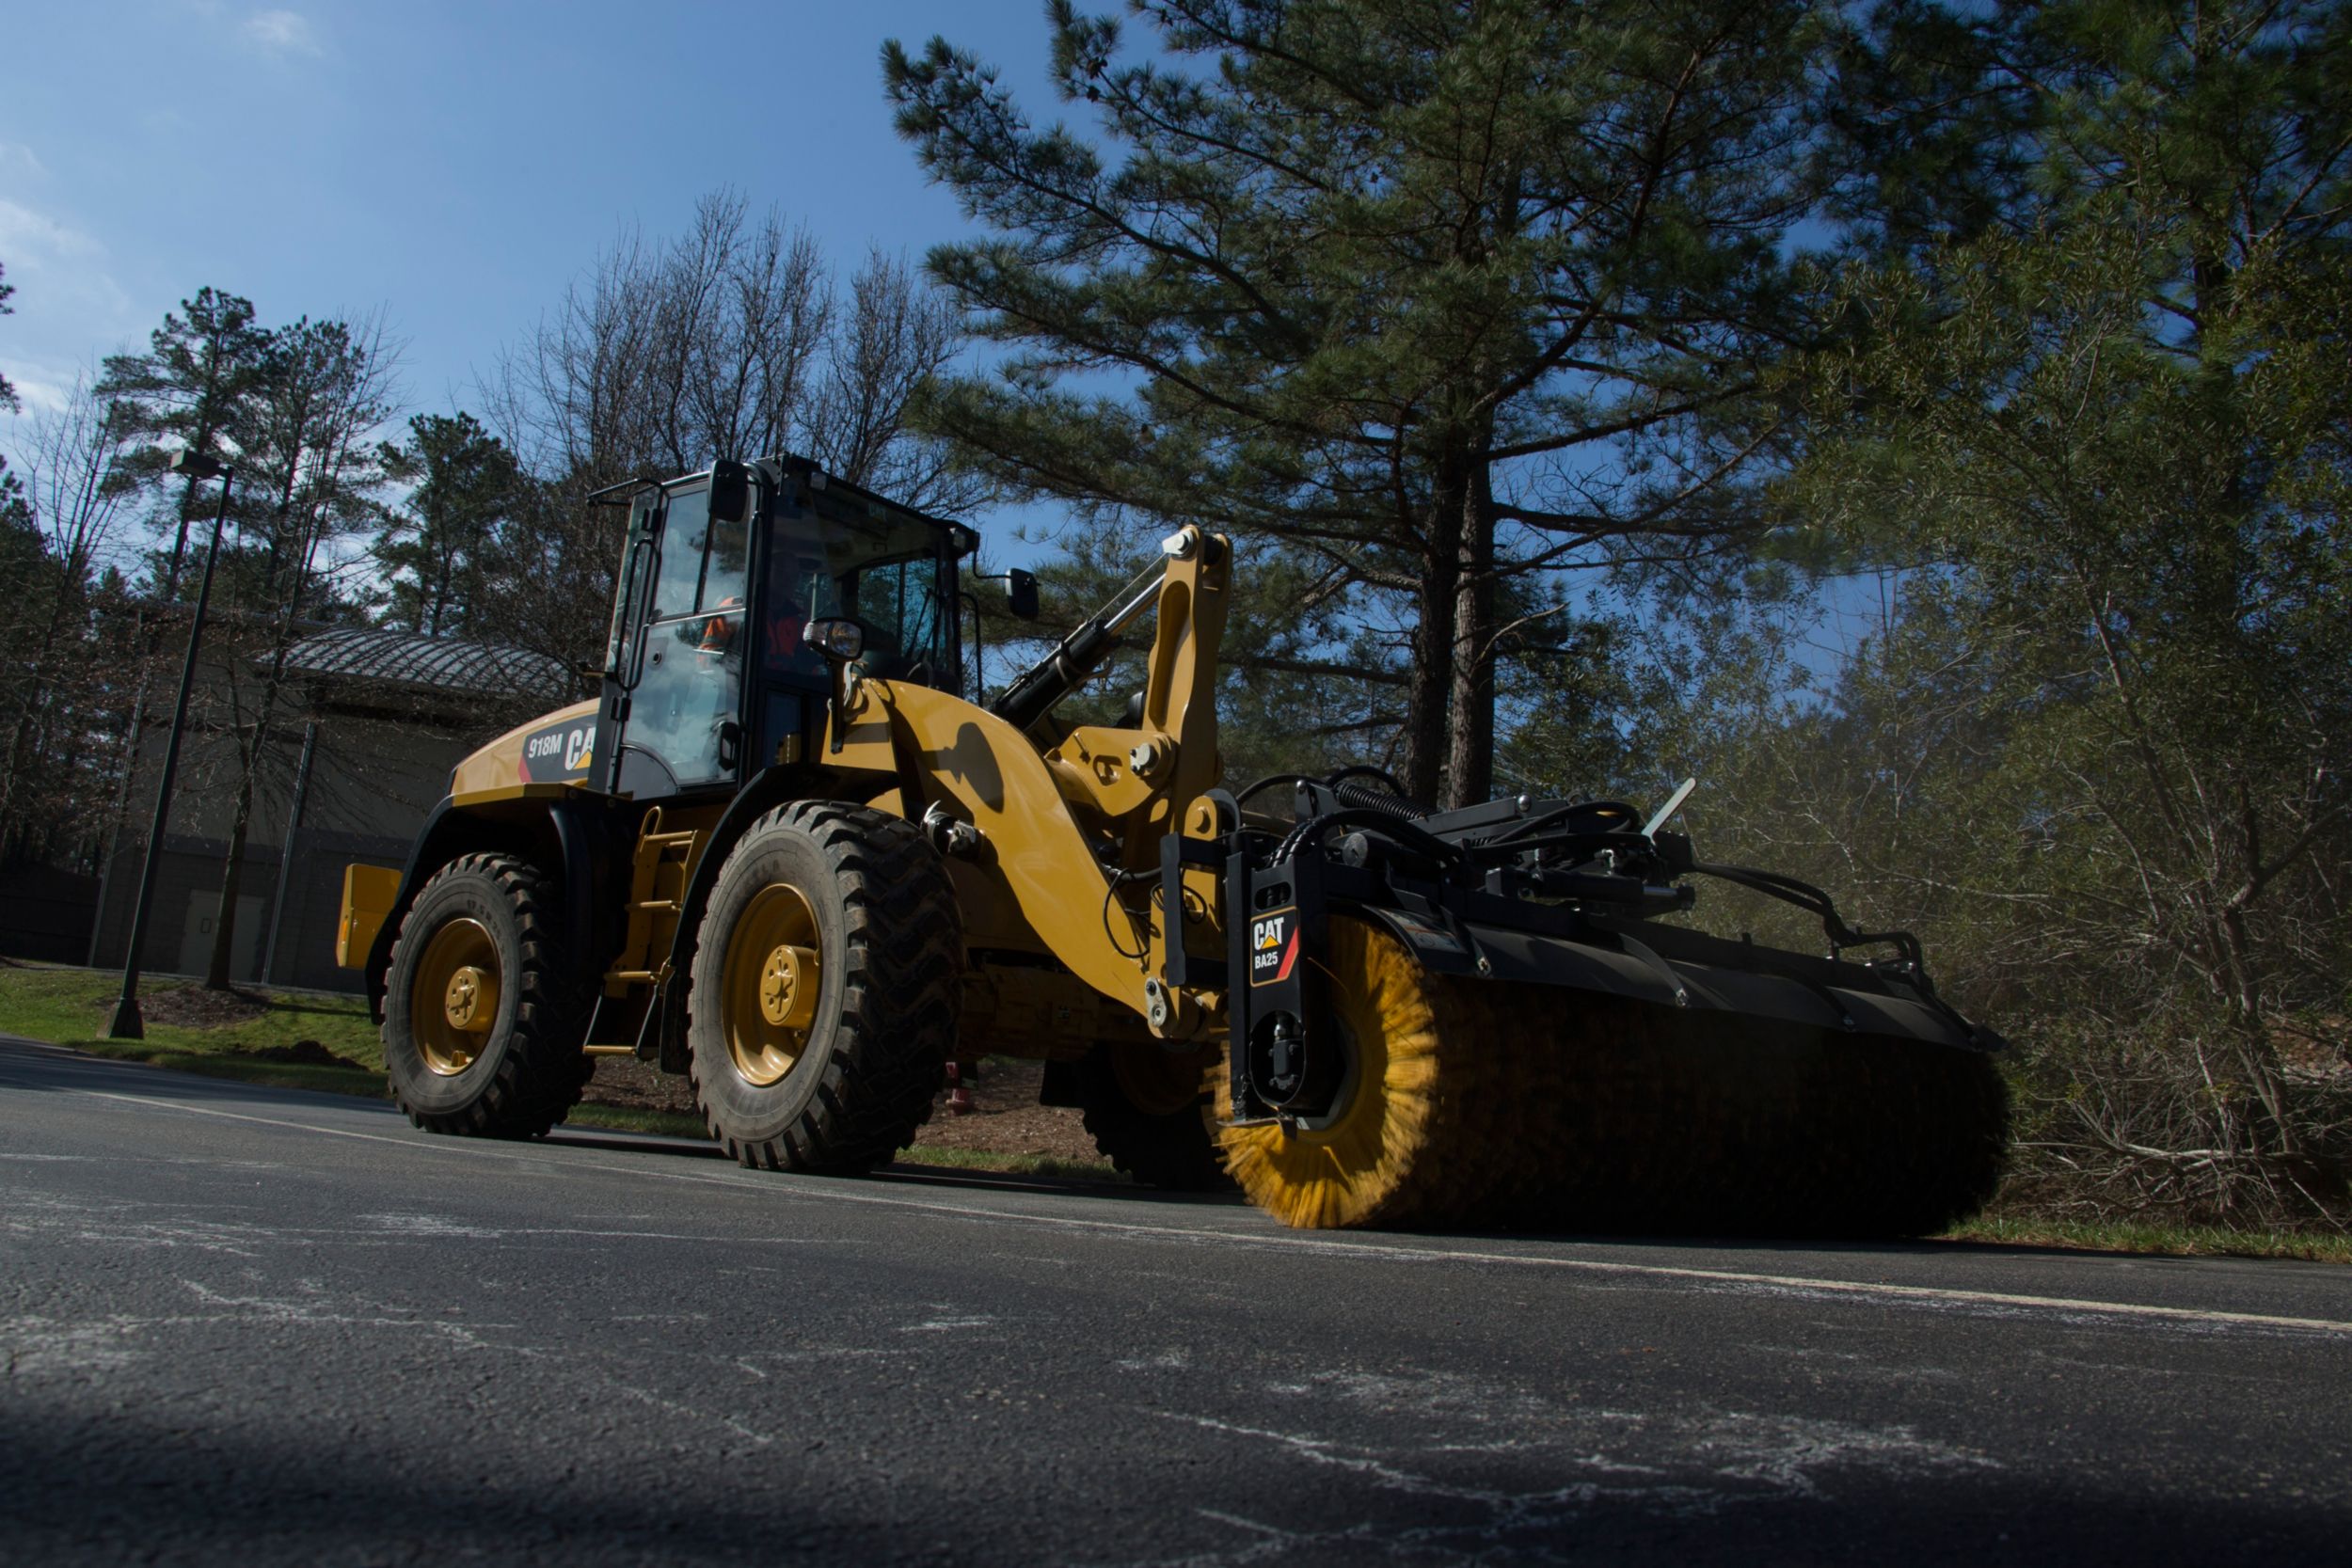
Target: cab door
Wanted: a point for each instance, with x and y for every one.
(678, 646)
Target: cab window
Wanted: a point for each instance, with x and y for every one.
(685, 535)
(887, 571)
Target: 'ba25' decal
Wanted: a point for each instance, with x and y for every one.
(1273, 946)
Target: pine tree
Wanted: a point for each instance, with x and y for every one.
(2104, 431)
(1435, 298)
(184, 392)
(309, 470)
(437, 551)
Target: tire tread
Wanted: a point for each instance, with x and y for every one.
(539, 1076)
(903, 951)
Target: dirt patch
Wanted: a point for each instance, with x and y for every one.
(307, 1053)
(631, 1085)
(194, 1008)
(1005, 1118)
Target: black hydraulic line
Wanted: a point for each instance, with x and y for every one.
(1811, 900)
(1558, 814)
(1055, 676)
(1404, 832)
(1495, 850)
(1257, 786)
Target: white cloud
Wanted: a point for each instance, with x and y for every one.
(23, 231)
(39, 386)
(66, 304)
(282, 33)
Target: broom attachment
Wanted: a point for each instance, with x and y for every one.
(1473, 1019)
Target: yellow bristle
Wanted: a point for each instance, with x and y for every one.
(1484, 1103)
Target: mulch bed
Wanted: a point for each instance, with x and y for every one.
(194, 1008)
(1006, 1118)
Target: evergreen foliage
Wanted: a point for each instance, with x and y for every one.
(442, 552)
(1429, 301)
(2093, 744)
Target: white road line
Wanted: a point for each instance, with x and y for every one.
(1294, 1243)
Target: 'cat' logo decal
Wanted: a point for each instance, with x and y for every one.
(1273, 946)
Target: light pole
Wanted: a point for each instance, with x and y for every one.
(126, 1024)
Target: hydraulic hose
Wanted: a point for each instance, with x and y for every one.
(1032, 696)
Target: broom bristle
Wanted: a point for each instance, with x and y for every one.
(1483, 1104)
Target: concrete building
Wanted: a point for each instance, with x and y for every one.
(366, 726)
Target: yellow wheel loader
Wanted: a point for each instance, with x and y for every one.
(780, 852)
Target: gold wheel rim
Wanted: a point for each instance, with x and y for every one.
(774, 969)
(454, 1001)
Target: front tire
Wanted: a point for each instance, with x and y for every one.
(822, 1009)
(483, 1012)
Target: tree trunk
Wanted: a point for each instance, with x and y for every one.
(1471, 721)
(216, 976)
(1429, 684)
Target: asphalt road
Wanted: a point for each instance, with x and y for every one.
(253, 1326)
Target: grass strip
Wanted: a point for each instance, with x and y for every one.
(363, 1083)
(2156, 1238)
(1009, 1165)
(70, 1006)
(638, 1119)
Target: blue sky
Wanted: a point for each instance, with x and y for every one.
(454, 164)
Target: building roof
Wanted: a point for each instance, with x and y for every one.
(436, 663)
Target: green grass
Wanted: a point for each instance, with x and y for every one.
(1009, 1165)
(2153, 1237)
(69, 1008)
(632, 1118)
(366, 1083)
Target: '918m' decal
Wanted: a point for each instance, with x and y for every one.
(557, 752)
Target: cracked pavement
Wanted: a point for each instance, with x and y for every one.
(252, 1326)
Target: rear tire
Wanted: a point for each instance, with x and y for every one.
(1152, 1114)
(484, 1011)
(822, 1010)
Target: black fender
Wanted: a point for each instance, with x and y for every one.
(583, 837)
(569, 848)
(662, 1037)
(448, 833)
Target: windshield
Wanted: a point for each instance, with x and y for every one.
(884, 569)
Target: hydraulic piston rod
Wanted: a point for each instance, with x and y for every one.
(1058, 673)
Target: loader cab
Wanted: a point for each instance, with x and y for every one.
(707, 676)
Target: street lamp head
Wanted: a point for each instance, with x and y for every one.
(196, 465)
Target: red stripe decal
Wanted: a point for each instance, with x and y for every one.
(1289, 955)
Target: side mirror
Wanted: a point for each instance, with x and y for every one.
(1021, 587)
(840, 640)
(730, 491)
